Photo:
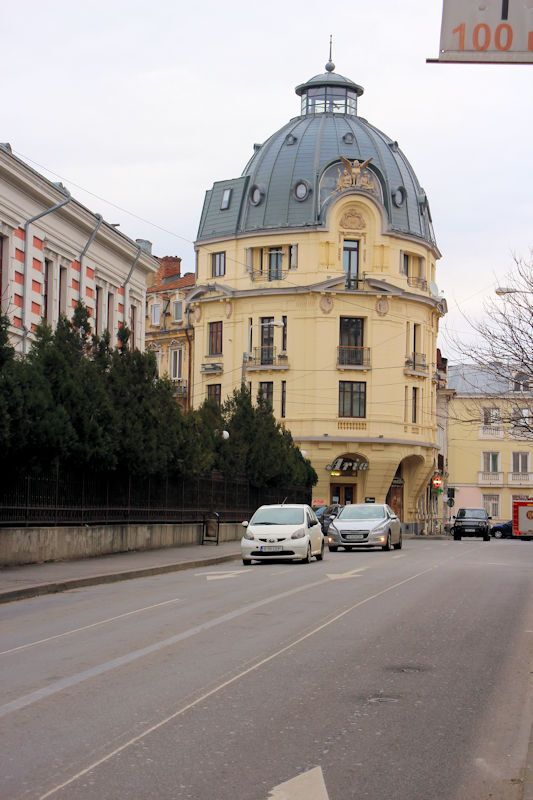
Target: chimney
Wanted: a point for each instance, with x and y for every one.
(169, 267)
(145, 245)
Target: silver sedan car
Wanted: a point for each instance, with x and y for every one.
(365, 525)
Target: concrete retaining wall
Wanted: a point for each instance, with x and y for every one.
(34, 545)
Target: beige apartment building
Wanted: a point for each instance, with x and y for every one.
(54, 252)
(490, 450)
(316, 286)
(169, 334)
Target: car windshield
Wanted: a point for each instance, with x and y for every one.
(362, 512)
(278, 516)
(472, 513)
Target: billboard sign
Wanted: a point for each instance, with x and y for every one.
(490, 32)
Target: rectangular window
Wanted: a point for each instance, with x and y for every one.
(156, 313)
(250, 334)
(492, 417)
(352, 399)
(215, 338)
(98, 310)
(351, 341)
(177, 310)
(283, 399)
(414, 405)
(267, 340)
(275, 262)
(284, 335)
(226, 199)
(111, 313)
(520, 462)
(249, 259)
(521, 383)
(48, 286)
(404, 264)
(266, 390)
(293, 256)
(133, 326)
(62, 290)
(218, 264)
(490, 461)
(406, 405)
(491, 504)
(175, 363)
(214, 393)
(350, 262)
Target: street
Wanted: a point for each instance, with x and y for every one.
(398, 676)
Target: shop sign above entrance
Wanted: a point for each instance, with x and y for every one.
(490, 32)
(346, 466)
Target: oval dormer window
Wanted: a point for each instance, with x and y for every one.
(256, 194)
(302, 190)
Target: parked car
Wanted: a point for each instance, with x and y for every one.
(502, 530)
(329, 514)
(365, 525)
(471, 522)
(287, 532)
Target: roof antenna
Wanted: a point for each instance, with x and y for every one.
(330, 66)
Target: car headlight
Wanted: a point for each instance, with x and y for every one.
(298, 534)
(248, 534)
(332, 529)
(379, 531)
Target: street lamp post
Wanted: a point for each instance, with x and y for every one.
(501, 291)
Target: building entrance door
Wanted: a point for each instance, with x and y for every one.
(345, 494)
(395, 499)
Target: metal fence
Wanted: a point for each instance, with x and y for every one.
(61, 498)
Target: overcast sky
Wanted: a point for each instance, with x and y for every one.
(145, 105)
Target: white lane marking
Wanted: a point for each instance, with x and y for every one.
(340, 576)
(92, 625)
(235, 678)
(223, 577)
(308, 786)
(398, 556)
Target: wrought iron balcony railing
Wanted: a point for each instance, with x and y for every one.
(417, 283)
(416, 363)
(264, 357)
(353, 356)
(180, 386)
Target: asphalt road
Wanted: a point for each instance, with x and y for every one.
(390, 676)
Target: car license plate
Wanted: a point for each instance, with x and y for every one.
(354, 537)
(271, 548)
(469, 530)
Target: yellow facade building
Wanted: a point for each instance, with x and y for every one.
(490, 453)
(316, 287)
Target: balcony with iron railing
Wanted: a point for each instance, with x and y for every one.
(490, 478)
(179, 387)
(520, 478)
(265, 358)
(354, 283)
(416, 364)
(491, 431)
(353, 357)
(417, 283)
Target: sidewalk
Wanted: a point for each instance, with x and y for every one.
(17, 583)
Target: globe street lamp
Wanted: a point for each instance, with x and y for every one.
(501, 291)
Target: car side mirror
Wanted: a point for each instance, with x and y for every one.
(245, 523)
(453, 516)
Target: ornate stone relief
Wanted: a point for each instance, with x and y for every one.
(353, 219)
(228, 310)
(382, 306)
(197, 314)
(326, 304)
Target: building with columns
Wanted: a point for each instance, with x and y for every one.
(54, 252)
(316, 286)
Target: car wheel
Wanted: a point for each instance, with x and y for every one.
(457, 537)
(333, 548)
(308, 556)
(320, 556)
(247, 562)
(400, 543)
(388, 546)
(498, 535)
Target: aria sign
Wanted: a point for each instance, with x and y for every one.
(346, 466)
(492, 31)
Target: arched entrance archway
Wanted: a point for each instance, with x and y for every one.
(347, 478)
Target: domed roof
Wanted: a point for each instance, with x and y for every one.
(292, 179)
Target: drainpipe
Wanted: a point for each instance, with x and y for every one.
(189, 360)
(26, 291)
(126, 288)
(90, 240)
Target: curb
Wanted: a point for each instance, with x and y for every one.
(113, 577)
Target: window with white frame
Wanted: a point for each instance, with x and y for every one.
(521, 382)
(492, 417)
(218, 264)
(491, 462)
(226, 200)
(491, 504)
(175, 358)
(177, 310)
(156, 313)
(520, 462)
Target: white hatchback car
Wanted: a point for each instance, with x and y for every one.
(287, 532)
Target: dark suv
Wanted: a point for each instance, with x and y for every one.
(471, 522)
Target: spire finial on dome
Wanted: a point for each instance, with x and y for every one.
(330, 66)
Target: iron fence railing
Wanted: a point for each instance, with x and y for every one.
(60, 498)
